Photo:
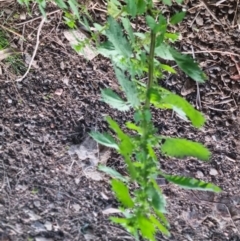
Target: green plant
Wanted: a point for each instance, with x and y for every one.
(135, 55)
(12, 59)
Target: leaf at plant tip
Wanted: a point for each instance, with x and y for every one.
(122, 193)
(192, 183)
(181, 148)
(160, 226)
(114, 100)
(177, 17)
(104, 139)
(131, 7)
(113, 173)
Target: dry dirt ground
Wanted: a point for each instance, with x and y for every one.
(49, 190)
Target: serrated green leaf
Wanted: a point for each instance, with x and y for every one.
(61, 4)
(177, 17)
(171, 36)
(156, 198)
(122, 193)
(181, 148)
(131, 8)
(125, 147)
(134, 127)
(127, 26)
(129, 88)
(192, 183)
(114, 100)
(163, 51)
(113, 173)
(74, 7)
(113, 8)
(115, 35)
(163, 218)
(141, 6)
(150, 22)
(160, 227)
(188, 66)
(104, 139)
(163, 98)
(147, 228)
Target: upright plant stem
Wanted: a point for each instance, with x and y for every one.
(150, 67)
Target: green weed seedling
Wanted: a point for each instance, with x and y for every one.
(135, 55)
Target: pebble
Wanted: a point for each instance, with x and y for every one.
(213, 172)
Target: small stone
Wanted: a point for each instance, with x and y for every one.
(199, 21)
(48, 225)
(37, 203)
(213, 172)
(76, 207)
(199, 174)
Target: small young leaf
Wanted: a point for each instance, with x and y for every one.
(151, 22)
(74, 7)
(171, 36)
(113, 173)
(115, 35)
(168, 68)
(177, 17)
(122, 193)
(131, 8)
(104, 139)
(113, 99)
(167, 2)
(129, 88)
(192, 183)
(61, 4)
(134, 127)
(147, 228)
(141, 6)
(160, 227)
(181, 148)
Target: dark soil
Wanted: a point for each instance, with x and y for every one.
(46, 193)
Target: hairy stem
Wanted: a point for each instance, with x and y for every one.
(150, 67)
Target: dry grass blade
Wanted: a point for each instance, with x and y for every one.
(5, 53)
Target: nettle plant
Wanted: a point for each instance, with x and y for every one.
(136, 55)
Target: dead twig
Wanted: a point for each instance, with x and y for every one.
(211, 13)
(198, 98)
(31, 20)
(212, 51)
(11, 31)
(235, 14)
(35, 50)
